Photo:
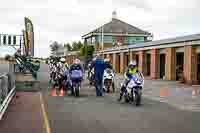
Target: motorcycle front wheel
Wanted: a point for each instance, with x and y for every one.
(113, 87)
(137, 99)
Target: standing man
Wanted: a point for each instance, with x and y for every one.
(99, 69)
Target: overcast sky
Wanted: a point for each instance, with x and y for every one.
(68, 20)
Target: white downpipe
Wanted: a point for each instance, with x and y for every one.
(102, 39)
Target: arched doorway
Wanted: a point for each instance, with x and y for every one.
(137, 59)
(148, 67)
(198, 68)
(126, 60)
(162, 65)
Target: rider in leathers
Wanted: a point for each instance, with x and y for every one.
(60, 72)
(52, 72)
(131, 70)
(76, 66)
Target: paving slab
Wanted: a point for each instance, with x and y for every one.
(24, 114)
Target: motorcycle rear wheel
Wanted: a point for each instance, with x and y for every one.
(77, 91)
(91, 83)
(126, 99)
(113, 87)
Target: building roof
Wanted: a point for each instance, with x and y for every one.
(118, 26)
(73, 52)
(169, 41)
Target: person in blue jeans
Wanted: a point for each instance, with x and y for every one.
(99, 69)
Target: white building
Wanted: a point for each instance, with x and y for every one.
(62, 51)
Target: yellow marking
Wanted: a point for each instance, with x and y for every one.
(46, 121)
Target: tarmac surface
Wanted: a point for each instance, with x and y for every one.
(89, 114)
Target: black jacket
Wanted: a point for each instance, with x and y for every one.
(108, 65)
(75, 67)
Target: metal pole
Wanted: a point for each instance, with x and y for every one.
(20, 43)
(102, 38)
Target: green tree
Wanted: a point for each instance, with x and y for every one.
(83, 51)
(90, 50)
(68, 46)
(76, 45)
(79, 45)
(54, 46)
(87, 50)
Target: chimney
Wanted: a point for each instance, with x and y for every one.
(114, 15)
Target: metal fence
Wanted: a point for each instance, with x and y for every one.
(7, 91)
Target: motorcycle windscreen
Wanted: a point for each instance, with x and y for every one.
(109, 71)
(138, 77)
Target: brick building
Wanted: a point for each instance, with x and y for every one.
(159, 59)
(115, 33)
(70, 56)
(156, 59)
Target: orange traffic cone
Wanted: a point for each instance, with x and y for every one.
(61, 92)
(163, 92)
(194, 91)
(53, 92)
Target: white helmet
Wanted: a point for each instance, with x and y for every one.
(132, 63)
(62, 60)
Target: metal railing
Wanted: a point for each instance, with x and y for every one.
(7, 91)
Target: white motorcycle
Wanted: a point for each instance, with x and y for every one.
(134, 89)
(108, 80)
(91, 77)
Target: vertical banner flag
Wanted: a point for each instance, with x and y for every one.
(25, 47)
(30, 36)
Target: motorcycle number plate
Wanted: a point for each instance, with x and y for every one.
(130, 85)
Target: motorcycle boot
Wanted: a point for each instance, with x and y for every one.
(122, 91)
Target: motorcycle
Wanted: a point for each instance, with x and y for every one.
(91, 77)
(134, 89)
(66, 81)
(52, 76)
(108, 80)
(76, 78)
(59, 81)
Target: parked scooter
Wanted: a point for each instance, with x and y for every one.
(134, 89)
(108, 80)
(76, 78)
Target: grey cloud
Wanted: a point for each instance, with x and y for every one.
(90, 2)
(68, 22)
(141, 4)
(53, 23)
